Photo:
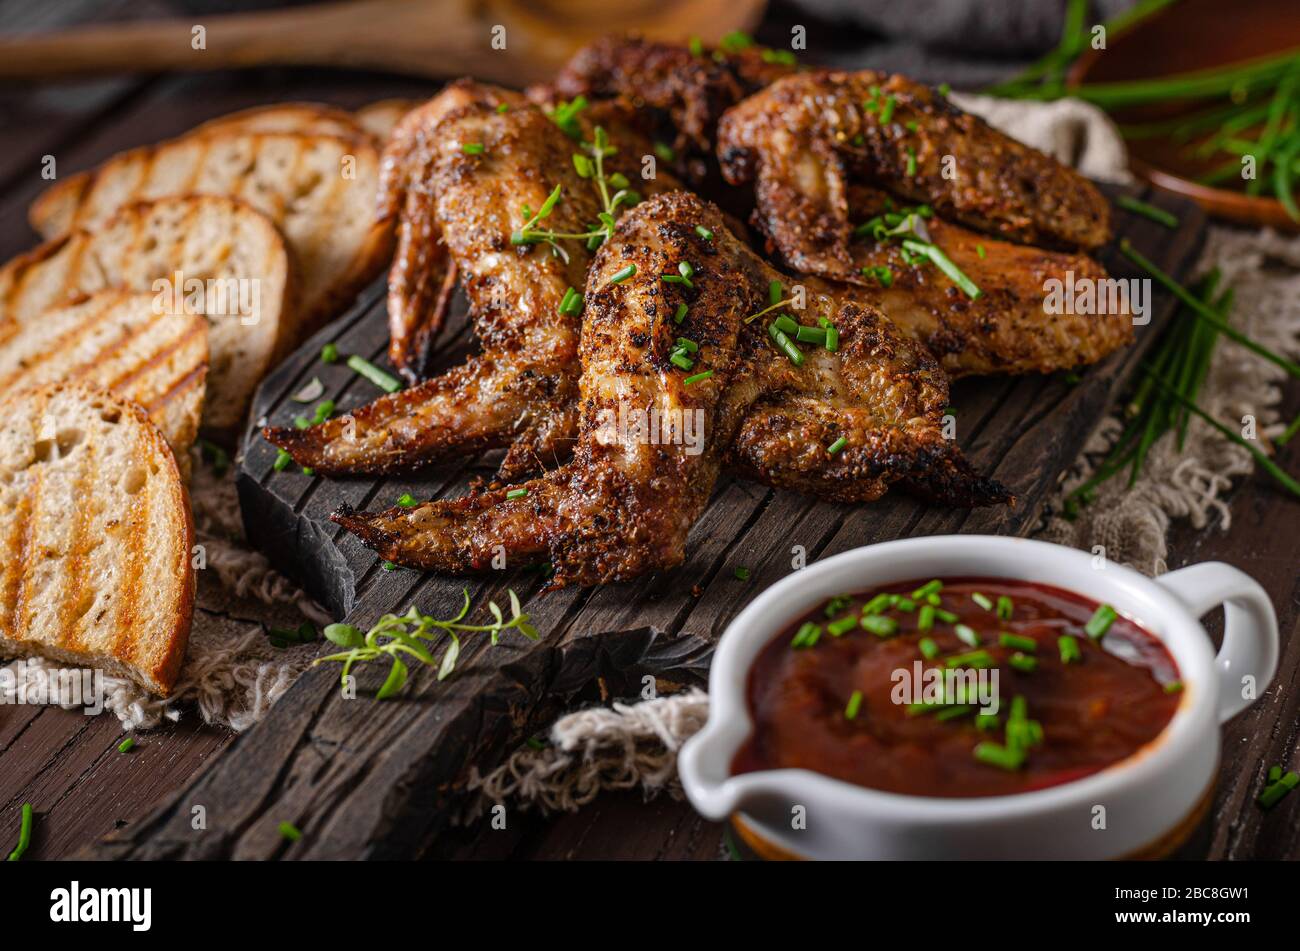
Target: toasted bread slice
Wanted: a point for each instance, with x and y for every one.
(95, 535)
(310, 118)
(221, 258)
(318, 189)
(119, 341)
(379, 118)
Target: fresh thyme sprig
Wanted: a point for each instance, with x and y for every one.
(589, 164)
(394, 635)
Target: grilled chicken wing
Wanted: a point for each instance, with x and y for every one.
(459, 209)
(626, 502)
(808, 204)
(804, 137)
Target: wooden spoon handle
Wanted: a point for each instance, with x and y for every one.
(339, 34)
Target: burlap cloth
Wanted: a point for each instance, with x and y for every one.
(232, 674)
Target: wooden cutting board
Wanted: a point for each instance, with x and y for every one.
(380, 779)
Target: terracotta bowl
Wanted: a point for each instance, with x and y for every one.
(1193, 35)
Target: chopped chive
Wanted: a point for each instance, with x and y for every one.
(837, 445)
(786, 324)
(883, 274)
(1023, 662)
(925, 620)
(1018, 641)
(308, 471)
(837, 604)
(503, 108)
(877, 604)
(813, 335)
(982, 601)
(967, 635)
(289, 831)
(1158, 215)
(1274, 773)
(329, 353)
(126, 745)
(681, 360)
(282, 460)
(742, 574)
(987, 721)
(906, 604)
(854, 705)
(697, 378)
(680, 314)
(832, 339)
(944, 89)
(842, 626)
(887, 110)
(388, 566)
(978, 659)
(571, 303)
(1006, 607)
(775, 292)
(911, 161)
(1100, 621)
(696, 46)
(472, 148)
(1174, 686)
(930, 587)
(516, 493)
(933, 600)
(786, 345)
(689, 346)
(880, 625)
(1069, 648)
(929, 649)
(953, 712)
(994, 754)
(24, 833)
(979, 249)
(944, 263)
(704, 232)
(807, 635)
(382, 379)
(1274, 793)
(622, 274)
(946, 616)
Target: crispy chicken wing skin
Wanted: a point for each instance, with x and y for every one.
(625, 504)
(803, 138)
(880, 391)
(459, 211)
(1006, 328)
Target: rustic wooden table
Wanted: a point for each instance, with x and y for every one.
(67, 765)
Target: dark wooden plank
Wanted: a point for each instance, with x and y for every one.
(367, 779)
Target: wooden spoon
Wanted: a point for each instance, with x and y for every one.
(419, 37)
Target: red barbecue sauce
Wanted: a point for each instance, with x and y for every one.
(1094, 712)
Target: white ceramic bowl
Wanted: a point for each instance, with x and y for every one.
(1138, 806)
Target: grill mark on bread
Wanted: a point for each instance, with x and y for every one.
(79, 546)
(178, 388)
(128, 581)
(19, 532)
(157, 357)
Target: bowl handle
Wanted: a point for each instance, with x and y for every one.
(1250, 645)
